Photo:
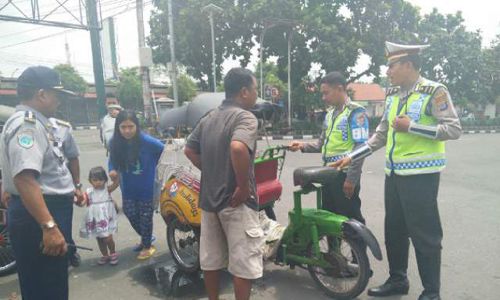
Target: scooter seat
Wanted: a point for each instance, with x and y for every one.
(308, 175)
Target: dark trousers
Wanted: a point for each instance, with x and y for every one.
(334, 199)
(411, 212)
(140, 215)
(41, 277)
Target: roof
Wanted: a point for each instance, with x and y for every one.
(367, 92)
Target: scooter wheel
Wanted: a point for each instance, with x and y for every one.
(349, 270)
(184, 244)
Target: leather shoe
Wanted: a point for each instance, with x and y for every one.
(75, 260)
(389, 288)
(432, 296)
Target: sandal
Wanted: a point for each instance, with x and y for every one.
(103, 260)
(113, 259)
(146, 253)
(140, 246)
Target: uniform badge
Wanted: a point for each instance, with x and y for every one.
(25, 139)
(441, 100)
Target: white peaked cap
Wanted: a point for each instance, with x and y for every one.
(394, 51)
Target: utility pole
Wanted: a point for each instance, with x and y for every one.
(66, 48)
(173, 64)
(289, 36)
(212, 9)
(95, 40)
(146, 92)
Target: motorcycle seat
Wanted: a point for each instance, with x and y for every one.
(308, 175)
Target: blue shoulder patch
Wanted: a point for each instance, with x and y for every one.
(359, 126)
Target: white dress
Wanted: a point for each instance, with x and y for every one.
(100, 219)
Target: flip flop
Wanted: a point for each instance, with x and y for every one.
(146, 253)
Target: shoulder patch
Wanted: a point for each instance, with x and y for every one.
(26, 138)
(426, 89)
(392, 90)
(440, 100)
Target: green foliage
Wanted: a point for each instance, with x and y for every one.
(186, 89)
(129, 89)
(70, 79)
(490, 72)
(454, 57)
(333, 34)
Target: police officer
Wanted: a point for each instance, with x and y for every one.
(65, 143)
(419, 116)
(345, 128)
(35, 174)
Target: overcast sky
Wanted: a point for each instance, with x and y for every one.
(17, 52)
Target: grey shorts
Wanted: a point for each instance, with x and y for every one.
(232, 239)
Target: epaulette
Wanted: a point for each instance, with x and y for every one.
(353, 106)
(427, 89)
(63, 123)
(392, 90)
(29, 116)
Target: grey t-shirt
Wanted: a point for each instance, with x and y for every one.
(211, 138)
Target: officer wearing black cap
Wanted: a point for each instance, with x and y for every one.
(37, 177)
(419, 117)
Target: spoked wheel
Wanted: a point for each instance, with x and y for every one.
(7, 259)
(350, 269)
(184, 244)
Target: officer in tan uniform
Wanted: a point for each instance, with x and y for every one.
(419, 116)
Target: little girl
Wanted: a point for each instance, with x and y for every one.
(100, 218)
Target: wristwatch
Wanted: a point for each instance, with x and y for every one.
(78, 186)
(48, 225)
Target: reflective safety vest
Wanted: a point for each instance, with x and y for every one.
(338, 135)
(407, 153)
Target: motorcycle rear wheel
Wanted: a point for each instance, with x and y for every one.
(7, 259)
(350, 271)
(184, 244)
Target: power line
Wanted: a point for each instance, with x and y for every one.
(64, 31)
(37, 39)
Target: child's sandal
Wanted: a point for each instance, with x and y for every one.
(103, 260)
(113, 259)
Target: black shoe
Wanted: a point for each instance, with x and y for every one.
(75, 260)
(390, 287)
(430, 296)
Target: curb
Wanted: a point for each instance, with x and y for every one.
(481, 131)
(290, 137)
(84, 127)
(307, 136)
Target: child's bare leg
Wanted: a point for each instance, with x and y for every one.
(102, 246)
(110, 244)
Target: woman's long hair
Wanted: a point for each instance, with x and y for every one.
(125, 152)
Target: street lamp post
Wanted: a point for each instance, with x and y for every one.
(267, 25)
(212, 9)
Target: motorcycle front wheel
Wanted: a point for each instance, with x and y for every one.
(7, 259)
(184, 244)
(350, 269)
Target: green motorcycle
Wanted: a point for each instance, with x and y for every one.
(332, 247)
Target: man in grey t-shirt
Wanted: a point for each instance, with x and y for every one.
(223, 146)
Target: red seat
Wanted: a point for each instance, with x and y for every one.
(269, 188)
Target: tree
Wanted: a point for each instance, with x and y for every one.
(490, 72)
(70, 79)
(129, 89)
(186, 89)
(332, 34)
(454, 57)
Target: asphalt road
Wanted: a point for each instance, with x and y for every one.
(469, 203)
